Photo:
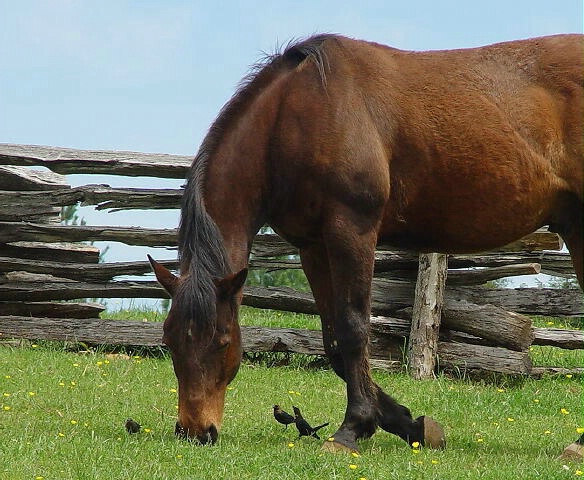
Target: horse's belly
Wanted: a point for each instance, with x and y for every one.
(444, 224)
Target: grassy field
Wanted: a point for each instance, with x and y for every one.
(62, 416)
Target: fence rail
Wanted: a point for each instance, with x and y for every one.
(36, 274)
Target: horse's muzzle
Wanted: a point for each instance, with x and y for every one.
(208, 437)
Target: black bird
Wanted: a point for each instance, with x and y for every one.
(304, 428)
(132, 426)
(283, 417)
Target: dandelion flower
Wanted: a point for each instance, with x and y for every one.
(568, 375)
(416, 445)
(31, 394)
(547, 432)
(355, 454)
(579, 473)
(564, 411)
(510, 419)
(6, 394)
(6, 408)
(500, 390)
(73, 422)
(330, 439)
(147, 430)
(352, 466)
(580, 430)
(435, 462)
(291, 445)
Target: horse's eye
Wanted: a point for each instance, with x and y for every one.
(223, 344)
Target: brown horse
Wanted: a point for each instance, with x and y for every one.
(337, 144)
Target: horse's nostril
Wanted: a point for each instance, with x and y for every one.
(208, 437)
(213, 433)
(179, 431)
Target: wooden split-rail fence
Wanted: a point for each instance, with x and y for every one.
(47, 267)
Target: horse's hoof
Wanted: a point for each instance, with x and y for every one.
(433, 434)
(332, 446)
(573, 452)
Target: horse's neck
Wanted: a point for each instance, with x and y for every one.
(236, 179)
(233, 199)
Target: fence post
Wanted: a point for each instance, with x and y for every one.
(423, 344)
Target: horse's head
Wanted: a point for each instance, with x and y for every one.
(205, 355)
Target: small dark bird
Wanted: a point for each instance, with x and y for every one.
(132, 426)
(283, 417)
(304, 428)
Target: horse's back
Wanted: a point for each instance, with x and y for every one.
(442, 145)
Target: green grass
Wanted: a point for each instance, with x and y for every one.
(247, 316)
(62, 416)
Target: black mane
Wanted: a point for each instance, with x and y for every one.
(202, 254)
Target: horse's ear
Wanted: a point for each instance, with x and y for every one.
(164, 276)
(231, 284)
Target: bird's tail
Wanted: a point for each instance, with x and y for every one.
(320, 426)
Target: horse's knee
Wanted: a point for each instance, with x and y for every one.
(353, 337)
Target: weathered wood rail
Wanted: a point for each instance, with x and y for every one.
(38, 271)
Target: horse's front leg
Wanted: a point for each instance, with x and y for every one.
(343, 304)
(340, 275)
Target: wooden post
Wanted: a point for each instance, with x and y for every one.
(423, 344)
